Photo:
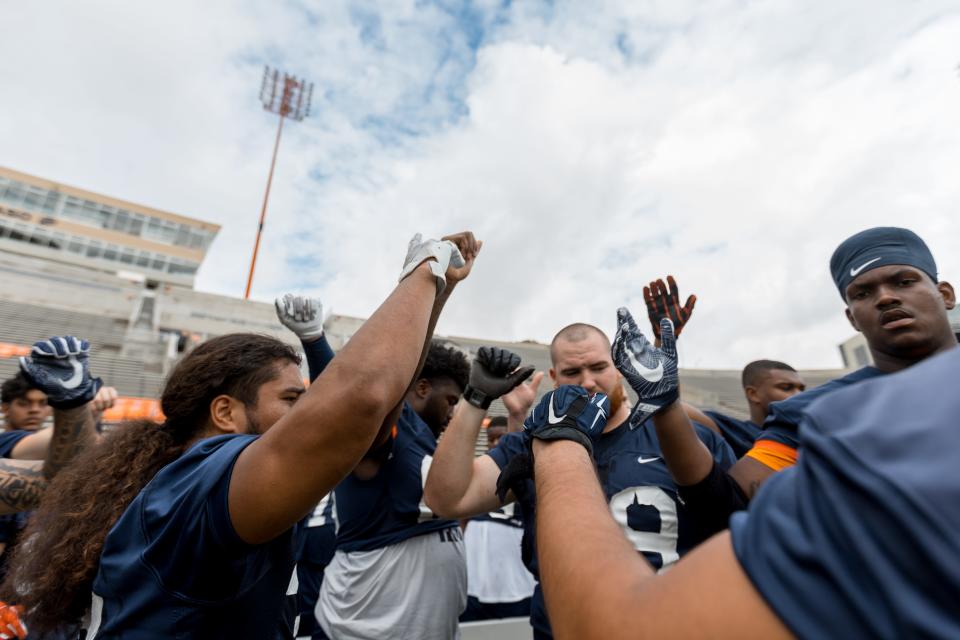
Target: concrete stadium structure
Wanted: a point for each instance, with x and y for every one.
(140, 320)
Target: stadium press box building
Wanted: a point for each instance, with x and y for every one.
(64, 224)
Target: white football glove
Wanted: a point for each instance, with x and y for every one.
(300, 314)
(443, 252)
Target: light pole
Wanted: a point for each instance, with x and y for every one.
(288, 97)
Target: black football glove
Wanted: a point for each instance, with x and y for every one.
(495, 371)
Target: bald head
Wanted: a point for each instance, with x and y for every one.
(576, 332)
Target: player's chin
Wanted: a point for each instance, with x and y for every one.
(908, 341)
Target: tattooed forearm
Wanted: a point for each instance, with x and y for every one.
(72, 429)
(20, 487)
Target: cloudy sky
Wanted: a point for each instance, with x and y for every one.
(593, 146)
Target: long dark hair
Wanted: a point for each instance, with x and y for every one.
(52, 570)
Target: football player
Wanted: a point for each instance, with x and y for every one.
(764, 382)
(857, 540)
(187, 528)
(636, 482)
(888, 279)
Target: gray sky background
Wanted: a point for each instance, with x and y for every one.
(593, 146)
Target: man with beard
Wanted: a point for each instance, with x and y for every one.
(638, 487)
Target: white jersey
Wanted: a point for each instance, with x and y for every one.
(495, 571)
(415, 588)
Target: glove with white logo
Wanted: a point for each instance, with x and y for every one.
(441, 253)
(566, 413)
(300, 314)
(569, 413)
(60, 368)
(651, 372)
(495, 371)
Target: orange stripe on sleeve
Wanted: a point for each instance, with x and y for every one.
(775, 455)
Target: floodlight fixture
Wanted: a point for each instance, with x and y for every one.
(288, 97)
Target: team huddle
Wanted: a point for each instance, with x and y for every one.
(263, 507)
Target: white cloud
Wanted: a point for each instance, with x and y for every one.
(592, 146)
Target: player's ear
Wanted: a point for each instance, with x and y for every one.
(853, 323)
(553, 376)
(226, 414)
(949, 295)
(753, 396)
(422, 388)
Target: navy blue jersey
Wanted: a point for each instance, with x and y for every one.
(9, 439)
(317, 545)
(174, 567)
(388, 508)
(642, 496)
(739, 434)
(782, 422)
(859, 539)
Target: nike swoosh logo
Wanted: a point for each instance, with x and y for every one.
(73, 381)
(650, 375)
(552, 417)
(600, 412)
(854, 272)
(643, 460)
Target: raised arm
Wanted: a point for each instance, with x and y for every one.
(304, 317)
(284, 473)
(460, 485)
(60, 368)
(36, 446)
(709, 493)
(597, 586)
(652, 373)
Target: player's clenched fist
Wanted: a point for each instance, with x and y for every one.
(300, 314)
(566, 413)
(439, 255)
(60, 368)
(494, 372)
(469, 248)
(569, 413)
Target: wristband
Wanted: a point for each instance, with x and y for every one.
(477, 398)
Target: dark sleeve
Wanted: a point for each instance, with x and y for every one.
(713, 500)
(9, 440)
(509, 446)
(8, 528)
(193, 505)
(319, 354)
(721, 451)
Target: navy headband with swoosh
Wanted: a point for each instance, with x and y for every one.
(879, 247)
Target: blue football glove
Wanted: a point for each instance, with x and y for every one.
(60, 368)
(569, 413)
(566, 413)
(651, 372)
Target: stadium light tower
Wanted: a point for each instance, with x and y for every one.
(288, 97)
